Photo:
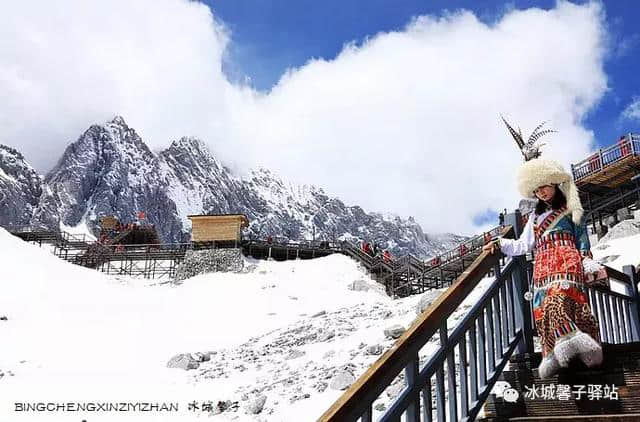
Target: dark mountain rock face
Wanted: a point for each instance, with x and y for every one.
(20, 189)
(109, 170)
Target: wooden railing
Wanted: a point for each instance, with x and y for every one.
(495, 322)
(463, 248)
(453, 382)
(606, 157)
(618, 313)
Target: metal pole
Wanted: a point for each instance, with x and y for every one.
(600, 158)
(635, 306)
(636, 179)
(521, 285)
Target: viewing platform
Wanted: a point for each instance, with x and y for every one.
(610, 166)
(608, 180)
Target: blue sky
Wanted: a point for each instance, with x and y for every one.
(269, 36)
(414, 111)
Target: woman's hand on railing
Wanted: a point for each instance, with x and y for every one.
(492, 246)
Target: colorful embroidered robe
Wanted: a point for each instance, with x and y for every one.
(560, 303)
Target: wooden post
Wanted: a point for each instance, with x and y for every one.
(573, 173)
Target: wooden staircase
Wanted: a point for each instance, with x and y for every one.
(619, 376)
(408, 275)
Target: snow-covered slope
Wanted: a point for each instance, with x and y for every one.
(281, 331)
(76, 334)
(619, 251)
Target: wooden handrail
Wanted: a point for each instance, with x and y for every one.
(617, 275)
(373, 382)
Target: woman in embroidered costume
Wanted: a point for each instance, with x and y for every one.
(563, 318)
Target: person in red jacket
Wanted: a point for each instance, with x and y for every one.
(625, 147)
(463, 249)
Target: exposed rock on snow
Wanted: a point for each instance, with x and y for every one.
(256, 405)
(608, 259)
(328, 354)
(321, 386)
(602, 247)
(426, 300)
(395, 388)
(622, 229)
(201, 357)
(294, 354)
(20, 189)
(209, 261)
(375, 349)
(326, 335)
(299, 396)
(265, 358)
(342, 380)
(183, 361)
(359, 285)
(395, 331)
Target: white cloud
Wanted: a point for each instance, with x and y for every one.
(632, 111)
(407, 122)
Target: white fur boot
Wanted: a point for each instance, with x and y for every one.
(548, 367)
(580, 345)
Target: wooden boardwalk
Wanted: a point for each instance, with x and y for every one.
(605, 180)
(610, 167)
(401, 277)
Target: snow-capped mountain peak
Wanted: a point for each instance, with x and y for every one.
(109, 170)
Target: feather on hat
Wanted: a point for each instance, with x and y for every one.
(536, 171)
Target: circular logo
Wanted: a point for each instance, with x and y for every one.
(528, 296)
(510, 395)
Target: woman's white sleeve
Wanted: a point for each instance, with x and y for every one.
(522, 245)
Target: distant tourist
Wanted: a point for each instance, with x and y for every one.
(367, 249)
(463, 249)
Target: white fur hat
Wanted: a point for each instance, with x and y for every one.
(539, 172)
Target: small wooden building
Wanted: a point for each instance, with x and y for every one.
(108, 222)
(217, 227)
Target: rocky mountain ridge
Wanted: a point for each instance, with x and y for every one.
(109, 170)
